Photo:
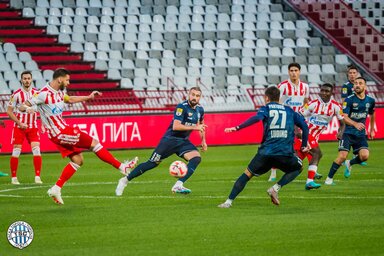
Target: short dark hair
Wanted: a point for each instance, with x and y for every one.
(273, 93)
(294, 64)
(26, 72)
(362, 78)
(327, 85)
(60, 72)
(352, 67)
(196, 88)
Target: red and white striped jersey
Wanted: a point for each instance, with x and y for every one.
(319, 114)
(19, 97)
(293, 96)
(50, 104)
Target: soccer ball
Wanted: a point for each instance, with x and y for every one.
(178, 169)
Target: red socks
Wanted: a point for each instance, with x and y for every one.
(37, 162)
(14, 162)
(67, 173)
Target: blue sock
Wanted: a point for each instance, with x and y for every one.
(355, 160)
(192, 165)
(141, 168)
(333, 170)
(288, 177)
(239, 186)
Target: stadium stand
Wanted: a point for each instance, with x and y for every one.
(154, 45)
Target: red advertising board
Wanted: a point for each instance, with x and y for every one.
(145, 131)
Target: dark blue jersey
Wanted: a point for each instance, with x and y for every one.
(346, 90)
(279, 129)
(358, 110)
(187, 116)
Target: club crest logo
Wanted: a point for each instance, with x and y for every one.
(20, 234)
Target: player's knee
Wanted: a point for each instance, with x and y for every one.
(36, 151)
(16, 152)
(364, 157)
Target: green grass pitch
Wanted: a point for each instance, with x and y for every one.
(346, 219)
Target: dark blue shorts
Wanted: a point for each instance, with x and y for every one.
(356, 142)
(261, 164)
(169, 146)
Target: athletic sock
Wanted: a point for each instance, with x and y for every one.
(355, 160)
(288, 177)
(141, 168)
(333, 170)
(311, 172)
(238, 186)
(37, 163)
(273, 173)
(106, 156)
(67, 173)
(14, 163)
(192, 165)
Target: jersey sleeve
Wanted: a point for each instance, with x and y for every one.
(371, 110)
(344, 91)
(12, 101)
(38, 98)
(260, 115)
(179, 112)
(307, 109)
(338, 112)
(307, 91)
(347, 106)
(201, 115)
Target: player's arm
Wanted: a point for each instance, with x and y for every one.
(300, 122)
(250, 121)
(75, 99)
(350, 122)
(204, 145)
(372, 119)
(178, 126)
(341, 129)
(13, 117)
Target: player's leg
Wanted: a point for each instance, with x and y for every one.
(17, 140)
(33, 138)
(362, 155)
(190, 153)
(344, 147)
(258, 166)
(66, 174)
(292, 167)
(272, 176)
(312, 168)
(165, 148)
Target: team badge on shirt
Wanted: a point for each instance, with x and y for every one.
(179, 111)
(345, 90)
(344, 104)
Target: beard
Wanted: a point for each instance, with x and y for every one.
(192, 103)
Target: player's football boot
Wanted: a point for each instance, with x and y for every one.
(38, 180)
(123, 182)
(55, 193)
(3, 174)
(180, 190)
(318, 176)
(312, 185)
(128, 166)
(225, 205)
(364, 164)
(329, 182)
(272, 179)
(274, 197)
(348, 169)
(15, 181)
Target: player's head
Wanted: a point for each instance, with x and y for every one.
(26, 79)
(352, 73)
(294, 71)
(272, 94)
(61, 75)
(326, 92)
(359, 86)
(194, 96)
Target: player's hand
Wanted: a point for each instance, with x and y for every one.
(359, 126)
(23, 126)
(372, 134)
(94, 94)
(29, 110)
(201, 127)
(230, 129)
(204, 147)
(339, 135)
(2, 123)
(305, 149)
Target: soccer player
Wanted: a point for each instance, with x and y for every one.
(50, 102)
(319, 113)
(2, 124)
(25, 127)
(188, 116)
(293, 93)
(276, 148)
(347, 87)
(356, 109)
